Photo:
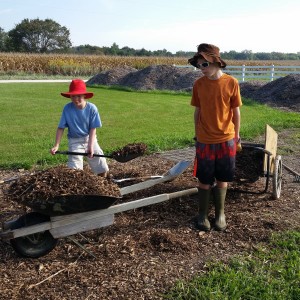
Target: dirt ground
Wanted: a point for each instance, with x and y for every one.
(146, 250)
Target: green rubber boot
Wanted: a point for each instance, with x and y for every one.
(219, 197)
(203, 205)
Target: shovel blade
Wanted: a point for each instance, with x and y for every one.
(126, 158)
(179, 168)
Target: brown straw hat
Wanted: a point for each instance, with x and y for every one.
(210, 53)
(77, 87)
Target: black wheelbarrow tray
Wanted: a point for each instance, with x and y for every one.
(36, 233)
(269, 163)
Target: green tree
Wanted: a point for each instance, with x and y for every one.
(3, 40)
(163, 52)
(87, 49)
(39, 36)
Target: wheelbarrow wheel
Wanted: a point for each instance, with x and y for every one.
(33, 245)
(277, 177)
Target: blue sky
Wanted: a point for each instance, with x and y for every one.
(257, 25)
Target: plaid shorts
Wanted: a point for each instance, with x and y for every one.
(215, 162)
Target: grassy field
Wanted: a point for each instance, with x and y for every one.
(30, 113)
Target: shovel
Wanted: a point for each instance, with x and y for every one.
(119, 158)
(175, 171)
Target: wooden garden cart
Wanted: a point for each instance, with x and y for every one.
(269, 162)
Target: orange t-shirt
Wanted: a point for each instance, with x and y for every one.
(216, 99)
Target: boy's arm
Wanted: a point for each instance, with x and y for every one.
(196, 118)
(92, 138)
(236, 119)
(59, 134)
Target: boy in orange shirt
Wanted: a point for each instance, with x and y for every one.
(216, 98)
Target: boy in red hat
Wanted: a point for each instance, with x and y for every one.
(216, 98)
(81, 118)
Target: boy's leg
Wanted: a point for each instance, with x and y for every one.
(219, 198)
(203, 207)
(76, 161)
(204, 171)
(98, 164)
(225, 165)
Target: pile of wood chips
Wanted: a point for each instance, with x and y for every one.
(134, 148)
(249, 165)
(61, 180)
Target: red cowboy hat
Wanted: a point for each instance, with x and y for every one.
(77, 87)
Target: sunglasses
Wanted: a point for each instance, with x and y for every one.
(203, 65)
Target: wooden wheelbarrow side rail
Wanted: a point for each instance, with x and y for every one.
(15, 233)
(62, 226)
(67, 219)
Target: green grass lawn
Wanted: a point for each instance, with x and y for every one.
(30, 113)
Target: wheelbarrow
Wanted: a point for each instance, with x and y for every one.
(269, 164)
(36, 233)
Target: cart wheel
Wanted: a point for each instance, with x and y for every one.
(277, 177)
(33, 245)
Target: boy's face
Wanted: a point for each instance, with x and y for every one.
(207, 68)
(79, 101)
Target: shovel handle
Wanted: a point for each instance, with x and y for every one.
(119, 158)
(81, 153)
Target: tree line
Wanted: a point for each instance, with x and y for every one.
(48, 36)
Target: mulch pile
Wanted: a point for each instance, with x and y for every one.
(48, 185)
(281, 93)
(130, 149)
(159, 77)
(249, 165)
(58, 181)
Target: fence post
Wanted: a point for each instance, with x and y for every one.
(243, 73)
(272, 72)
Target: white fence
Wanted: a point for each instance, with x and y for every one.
(244, 73)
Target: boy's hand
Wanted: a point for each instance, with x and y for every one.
(53, 150)
(238, 145)
(90, 150)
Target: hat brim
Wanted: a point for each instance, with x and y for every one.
(213, 59)
(86, 95)
(194, 60)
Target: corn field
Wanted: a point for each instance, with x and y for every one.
(87, 65)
